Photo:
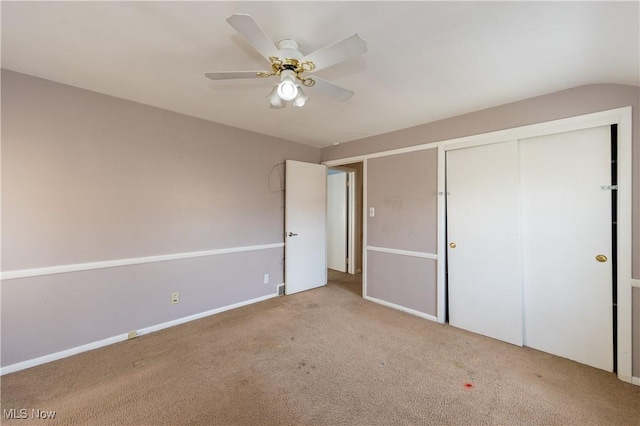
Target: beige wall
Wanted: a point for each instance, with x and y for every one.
(564, 104)
(90, 178)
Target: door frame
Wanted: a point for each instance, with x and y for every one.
(620, 116)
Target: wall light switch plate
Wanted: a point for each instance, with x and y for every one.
(372, 211)
(266, 278)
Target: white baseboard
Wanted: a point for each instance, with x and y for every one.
(635, 283)
(635, 381)
(122, 337)
(401, 308)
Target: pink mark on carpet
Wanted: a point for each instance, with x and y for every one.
(468, 385)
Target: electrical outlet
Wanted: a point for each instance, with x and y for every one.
(175, 297)
(266, 278)
(132, 335)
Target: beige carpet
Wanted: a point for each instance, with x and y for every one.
(322, 357)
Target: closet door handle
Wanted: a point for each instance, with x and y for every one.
(452, 245)
(601, 258)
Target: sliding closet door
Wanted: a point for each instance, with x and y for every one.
(566, 224)
(484, 262)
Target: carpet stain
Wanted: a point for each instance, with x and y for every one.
(307, 369)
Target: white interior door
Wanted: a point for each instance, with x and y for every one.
(351, 222)
(337, 221)
(566, 223)
(484, 262)
(305, 226)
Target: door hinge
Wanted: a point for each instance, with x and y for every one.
(609, 187)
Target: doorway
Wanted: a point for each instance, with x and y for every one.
(345, 225)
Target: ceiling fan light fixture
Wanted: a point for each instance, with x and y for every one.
(274, 99)
(301, 98)
(287, 89)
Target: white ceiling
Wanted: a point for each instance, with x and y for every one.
(426, 60)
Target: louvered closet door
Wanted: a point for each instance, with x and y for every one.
(566, 223)
(484, 261)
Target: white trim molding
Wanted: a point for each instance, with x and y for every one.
(365, 227)
(403, 252)
(441, 275)
(401, 308)
(635, 283)
(359, 158)
(25, 273)
(122, 337)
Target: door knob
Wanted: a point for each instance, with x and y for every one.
(601, 258)
(452, 245)
(291, 234)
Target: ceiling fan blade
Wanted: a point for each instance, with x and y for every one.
(337, 52)
(245, 25)
(330, 89)
(227, 75)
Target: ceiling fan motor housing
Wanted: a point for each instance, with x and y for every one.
(289, 49)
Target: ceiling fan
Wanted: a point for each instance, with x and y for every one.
(290, 65)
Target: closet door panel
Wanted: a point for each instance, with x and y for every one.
(566, 223)
(483, 237)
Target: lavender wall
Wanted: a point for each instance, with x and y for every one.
(403, 191)
(47, 314)
(89, 178)
(564, 104)
(406, 281)
(554, 106)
